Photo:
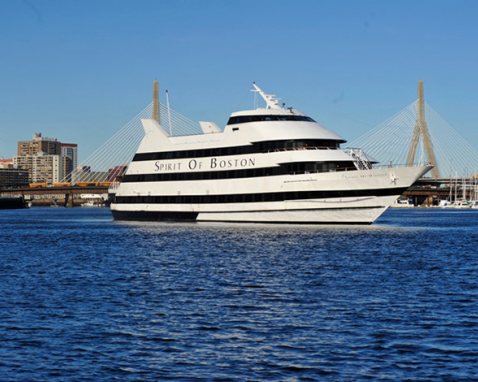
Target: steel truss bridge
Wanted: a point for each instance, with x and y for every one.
(60, 196)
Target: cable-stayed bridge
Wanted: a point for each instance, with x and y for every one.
(113, 156)
(416, 134)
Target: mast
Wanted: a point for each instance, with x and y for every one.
(450, 198)
(270, 100)
(456, 186)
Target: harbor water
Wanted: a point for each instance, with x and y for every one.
(85, 298)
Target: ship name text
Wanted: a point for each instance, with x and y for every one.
(204, 164)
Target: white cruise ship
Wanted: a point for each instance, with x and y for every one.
(270, 165)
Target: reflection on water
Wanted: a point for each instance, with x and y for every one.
(84, 297)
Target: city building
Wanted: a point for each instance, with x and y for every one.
(82, 176)
(7, 162)
(69, 155)
(115, 173)
(13, 178)
(42, 168)
(47, 160)
(39, 144)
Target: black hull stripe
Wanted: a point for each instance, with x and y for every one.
(253, 148)
(154, 216)
(254, 198)
(192, 217)
(294, 168)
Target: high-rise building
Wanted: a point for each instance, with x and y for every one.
(69, 156)
(42, 168)
(46, 159)
(38, 144)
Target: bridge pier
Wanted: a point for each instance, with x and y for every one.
(69, 202)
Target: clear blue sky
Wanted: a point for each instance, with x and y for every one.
(79, 70)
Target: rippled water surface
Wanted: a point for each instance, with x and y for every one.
(85, 298)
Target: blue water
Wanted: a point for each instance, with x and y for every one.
(84, 298)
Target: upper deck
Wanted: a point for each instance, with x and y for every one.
(247, 127)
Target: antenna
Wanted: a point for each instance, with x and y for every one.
(270, 100)
(255, 98)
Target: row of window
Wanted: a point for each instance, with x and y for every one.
(251, 198)
(283, 169)
(267, 118)
(255, 148)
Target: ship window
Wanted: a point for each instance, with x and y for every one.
(256, 147)
(267, 118)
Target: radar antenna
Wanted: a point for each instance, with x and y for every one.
(271, 101)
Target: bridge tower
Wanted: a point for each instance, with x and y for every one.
(421, 131)
(155, 115)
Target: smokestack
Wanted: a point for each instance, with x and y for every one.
(155, 115)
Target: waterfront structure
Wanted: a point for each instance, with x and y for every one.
(271, 164)
(13, 178)
(10, 203)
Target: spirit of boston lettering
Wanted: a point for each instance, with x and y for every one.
(167, 166)
(195, 164)
(232, 163)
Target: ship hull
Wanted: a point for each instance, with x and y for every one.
(10, 203)
(364, 215)
(356, 197)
